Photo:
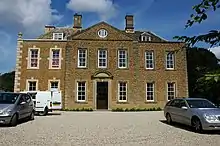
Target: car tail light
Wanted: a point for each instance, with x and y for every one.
(50, 104)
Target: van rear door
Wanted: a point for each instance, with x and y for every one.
(57, 99)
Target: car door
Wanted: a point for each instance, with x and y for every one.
(22, 106)
(29, 104)
(173, 109)
(182, 114)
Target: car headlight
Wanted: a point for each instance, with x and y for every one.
(210, 118)
(5, 112)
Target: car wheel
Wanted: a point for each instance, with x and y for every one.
(32, 116)
(169, 119)
(44, 113)
(196, 124)
(14, 120)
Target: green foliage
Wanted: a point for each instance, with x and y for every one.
(201, 11)
(199, 62)
(203, 74)
(208, 87)
(203, 68)
(78, 109)
(135, 109)
(213, 37)
(7, 81)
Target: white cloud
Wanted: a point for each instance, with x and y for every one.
(106, 9)
(28, 16)
(216, 51)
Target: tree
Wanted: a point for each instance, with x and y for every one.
(213, 36)
(7, 81)
(200, 61)
(208, 89)
(203, 80)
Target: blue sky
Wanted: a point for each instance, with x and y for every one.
(164, 17)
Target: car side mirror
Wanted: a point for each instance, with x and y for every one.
(184, 107)
(22, 103)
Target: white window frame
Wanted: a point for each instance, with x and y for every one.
(51, 57)
(145, 38)
(77, 91)
(174, 90)
(28, 85)
(148, 60)
(29, 58)
(78, 63)
(152, 100)
(102, 33)
(126, 83)
(57, 36)
(49, 84)
(169, 61)
(106, 58)
(125, 59)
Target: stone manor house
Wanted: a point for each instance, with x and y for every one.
(102, 67)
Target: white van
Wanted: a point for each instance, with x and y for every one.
(46, 101)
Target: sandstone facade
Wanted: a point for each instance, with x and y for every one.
(140, 69)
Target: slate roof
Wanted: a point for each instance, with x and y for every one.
(67, 32)
(137, 34)
(70, 32)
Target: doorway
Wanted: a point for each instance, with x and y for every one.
(102, 95)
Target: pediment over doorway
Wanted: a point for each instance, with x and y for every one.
(102, 75)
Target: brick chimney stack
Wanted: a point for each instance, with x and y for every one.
(129, 20)
(48, 28)
(77, 24)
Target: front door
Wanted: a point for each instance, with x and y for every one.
(102, 95)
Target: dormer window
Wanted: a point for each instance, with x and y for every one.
(145, 38)
(57, 36)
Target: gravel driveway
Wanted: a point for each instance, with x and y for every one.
(103, 128)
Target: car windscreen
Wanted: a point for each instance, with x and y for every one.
(200, 104)
(8, 98)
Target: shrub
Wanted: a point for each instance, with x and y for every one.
(78, 109)
(135, 109)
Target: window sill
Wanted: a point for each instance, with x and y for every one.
(33, 68)
(122, 68)
(81, 67)
(54, 68)
(81, 102)
(122, 102)
(170, 69)
(149, 69)
(102, 67)
(150, 102)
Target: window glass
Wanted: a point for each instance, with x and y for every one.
(8, 98)
(175, 103)
(28, 99)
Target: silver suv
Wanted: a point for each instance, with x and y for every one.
(14, 107)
